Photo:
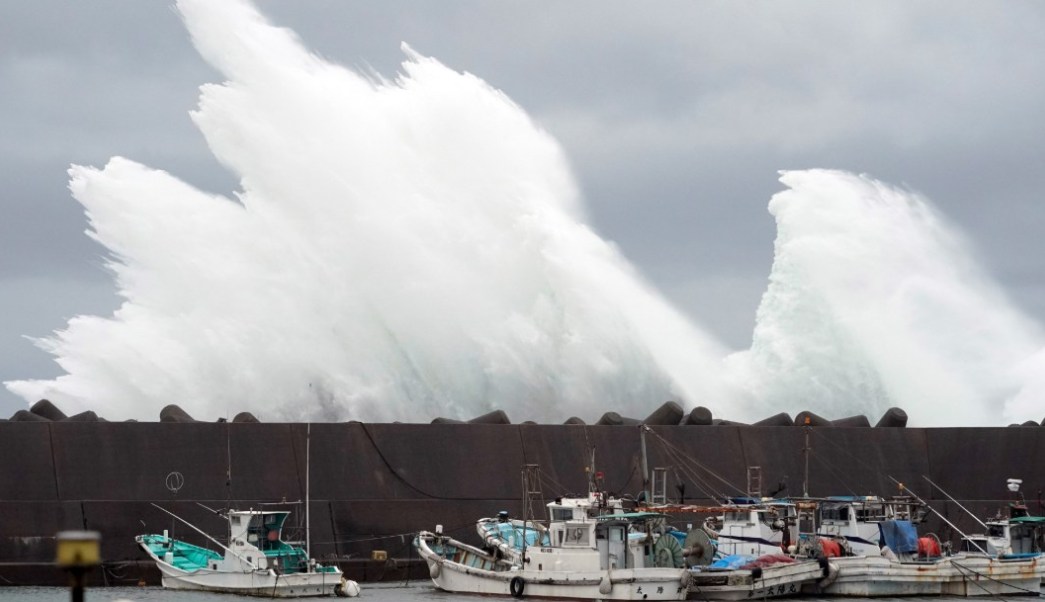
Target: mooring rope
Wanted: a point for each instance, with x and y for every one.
(1005, 583)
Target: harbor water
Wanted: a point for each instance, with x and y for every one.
(413, 591)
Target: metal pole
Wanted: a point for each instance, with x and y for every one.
(974, 517)
(308, 482)
(645, 467)
(805, 479)
(526, 510)
(942, 517)
(76, 591)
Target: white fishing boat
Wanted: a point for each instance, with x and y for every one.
(256, 561)
(739, 553)
(854, 521)
(588, 550)
(1006, 558)
(1018, 535)
(908, 565)
(589, 560)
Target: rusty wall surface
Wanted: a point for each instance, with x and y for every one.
(372, 485)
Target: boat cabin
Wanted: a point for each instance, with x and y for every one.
(755, 527)
(263, 530)
(856, 519)
(257, 536)
(1020, 537)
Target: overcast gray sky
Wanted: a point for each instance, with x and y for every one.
(676, 118)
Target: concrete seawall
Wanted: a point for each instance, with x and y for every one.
(373, 484)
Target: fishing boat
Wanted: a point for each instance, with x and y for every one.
(899, 562)
(256, 562)
(588, 549)
(589, 560)
(1007, 557)
(742, 554)
(739, 553)
(1018, 535)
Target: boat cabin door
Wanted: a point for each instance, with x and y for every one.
(615, 553)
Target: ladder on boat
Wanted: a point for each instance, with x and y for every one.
(531, 488)
(659, 486)
(754, 482)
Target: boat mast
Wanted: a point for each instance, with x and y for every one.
(308, 532)
(805, 479)
(645, 467)
(228, 465)
(526, 509)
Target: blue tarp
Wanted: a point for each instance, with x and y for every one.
(899, 535)
(732, 562)
(513, 534)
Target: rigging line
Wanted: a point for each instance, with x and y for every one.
(834, 473)
(547, 480)
(702, 483)
(679, 462)
(683, 454)
(961, 568)
(845, 451)
(668, 444)
(631, 477)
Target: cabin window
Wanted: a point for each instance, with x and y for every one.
(235, 521)
(562, 514)
(970, 545)
(266, 529)
(872, 512)
(577, 534)
(839, 513)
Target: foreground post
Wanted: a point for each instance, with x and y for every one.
(77, 553)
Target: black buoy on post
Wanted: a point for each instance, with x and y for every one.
(77, 552)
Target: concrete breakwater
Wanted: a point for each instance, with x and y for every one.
(372, 485)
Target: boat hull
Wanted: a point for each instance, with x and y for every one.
(773, 582)
(875, 576)
(984, 576)
(484, 576)
(262, 582)
(257, 583)
(623, 584)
